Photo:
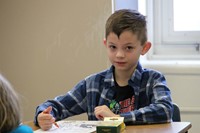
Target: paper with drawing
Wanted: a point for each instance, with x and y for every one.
(72, 127)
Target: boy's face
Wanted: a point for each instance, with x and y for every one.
(124, 52)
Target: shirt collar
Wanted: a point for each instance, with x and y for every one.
(135, 78)
(137, 74)
(109, 78)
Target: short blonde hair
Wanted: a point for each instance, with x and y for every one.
(9, 106)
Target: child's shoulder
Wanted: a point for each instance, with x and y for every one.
(102, 74)
(152, 72)
(22, 129)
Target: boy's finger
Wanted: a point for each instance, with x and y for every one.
(47, 110)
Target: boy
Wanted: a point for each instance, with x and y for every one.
(125, 89)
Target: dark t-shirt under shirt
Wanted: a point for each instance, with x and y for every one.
(123, 99)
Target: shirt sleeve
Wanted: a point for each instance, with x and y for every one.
(159, 108)
(72, 103)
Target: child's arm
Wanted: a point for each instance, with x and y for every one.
(66, 105)
(159, 108)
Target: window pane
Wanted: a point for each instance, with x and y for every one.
(186, 15)
(142, 6)
(126, 4)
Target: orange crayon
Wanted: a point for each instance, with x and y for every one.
(56, 124)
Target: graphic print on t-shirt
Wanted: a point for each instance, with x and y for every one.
(123, 106)
(127, 105)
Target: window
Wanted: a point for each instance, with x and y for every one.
(173, 27)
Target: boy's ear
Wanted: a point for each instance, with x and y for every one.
(104, 41)
(146, 48)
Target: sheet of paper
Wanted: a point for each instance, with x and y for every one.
(72, 127)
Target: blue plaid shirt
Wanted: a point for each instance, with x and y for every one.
(153, 102)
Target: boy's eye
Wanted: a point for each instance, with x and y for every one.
(112, 46)
(129, 47)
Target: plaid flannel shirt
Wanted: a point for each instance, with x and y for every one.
(153, 102)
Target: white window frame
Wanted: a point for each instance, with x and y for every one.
(168, 44)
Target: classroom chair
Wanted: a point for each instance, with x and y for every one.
(176, 117)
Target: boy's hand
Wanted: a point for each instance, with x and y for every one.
(103, 111)
(45, 119)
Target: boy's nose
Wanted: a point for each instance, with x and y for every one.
(120, 54)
